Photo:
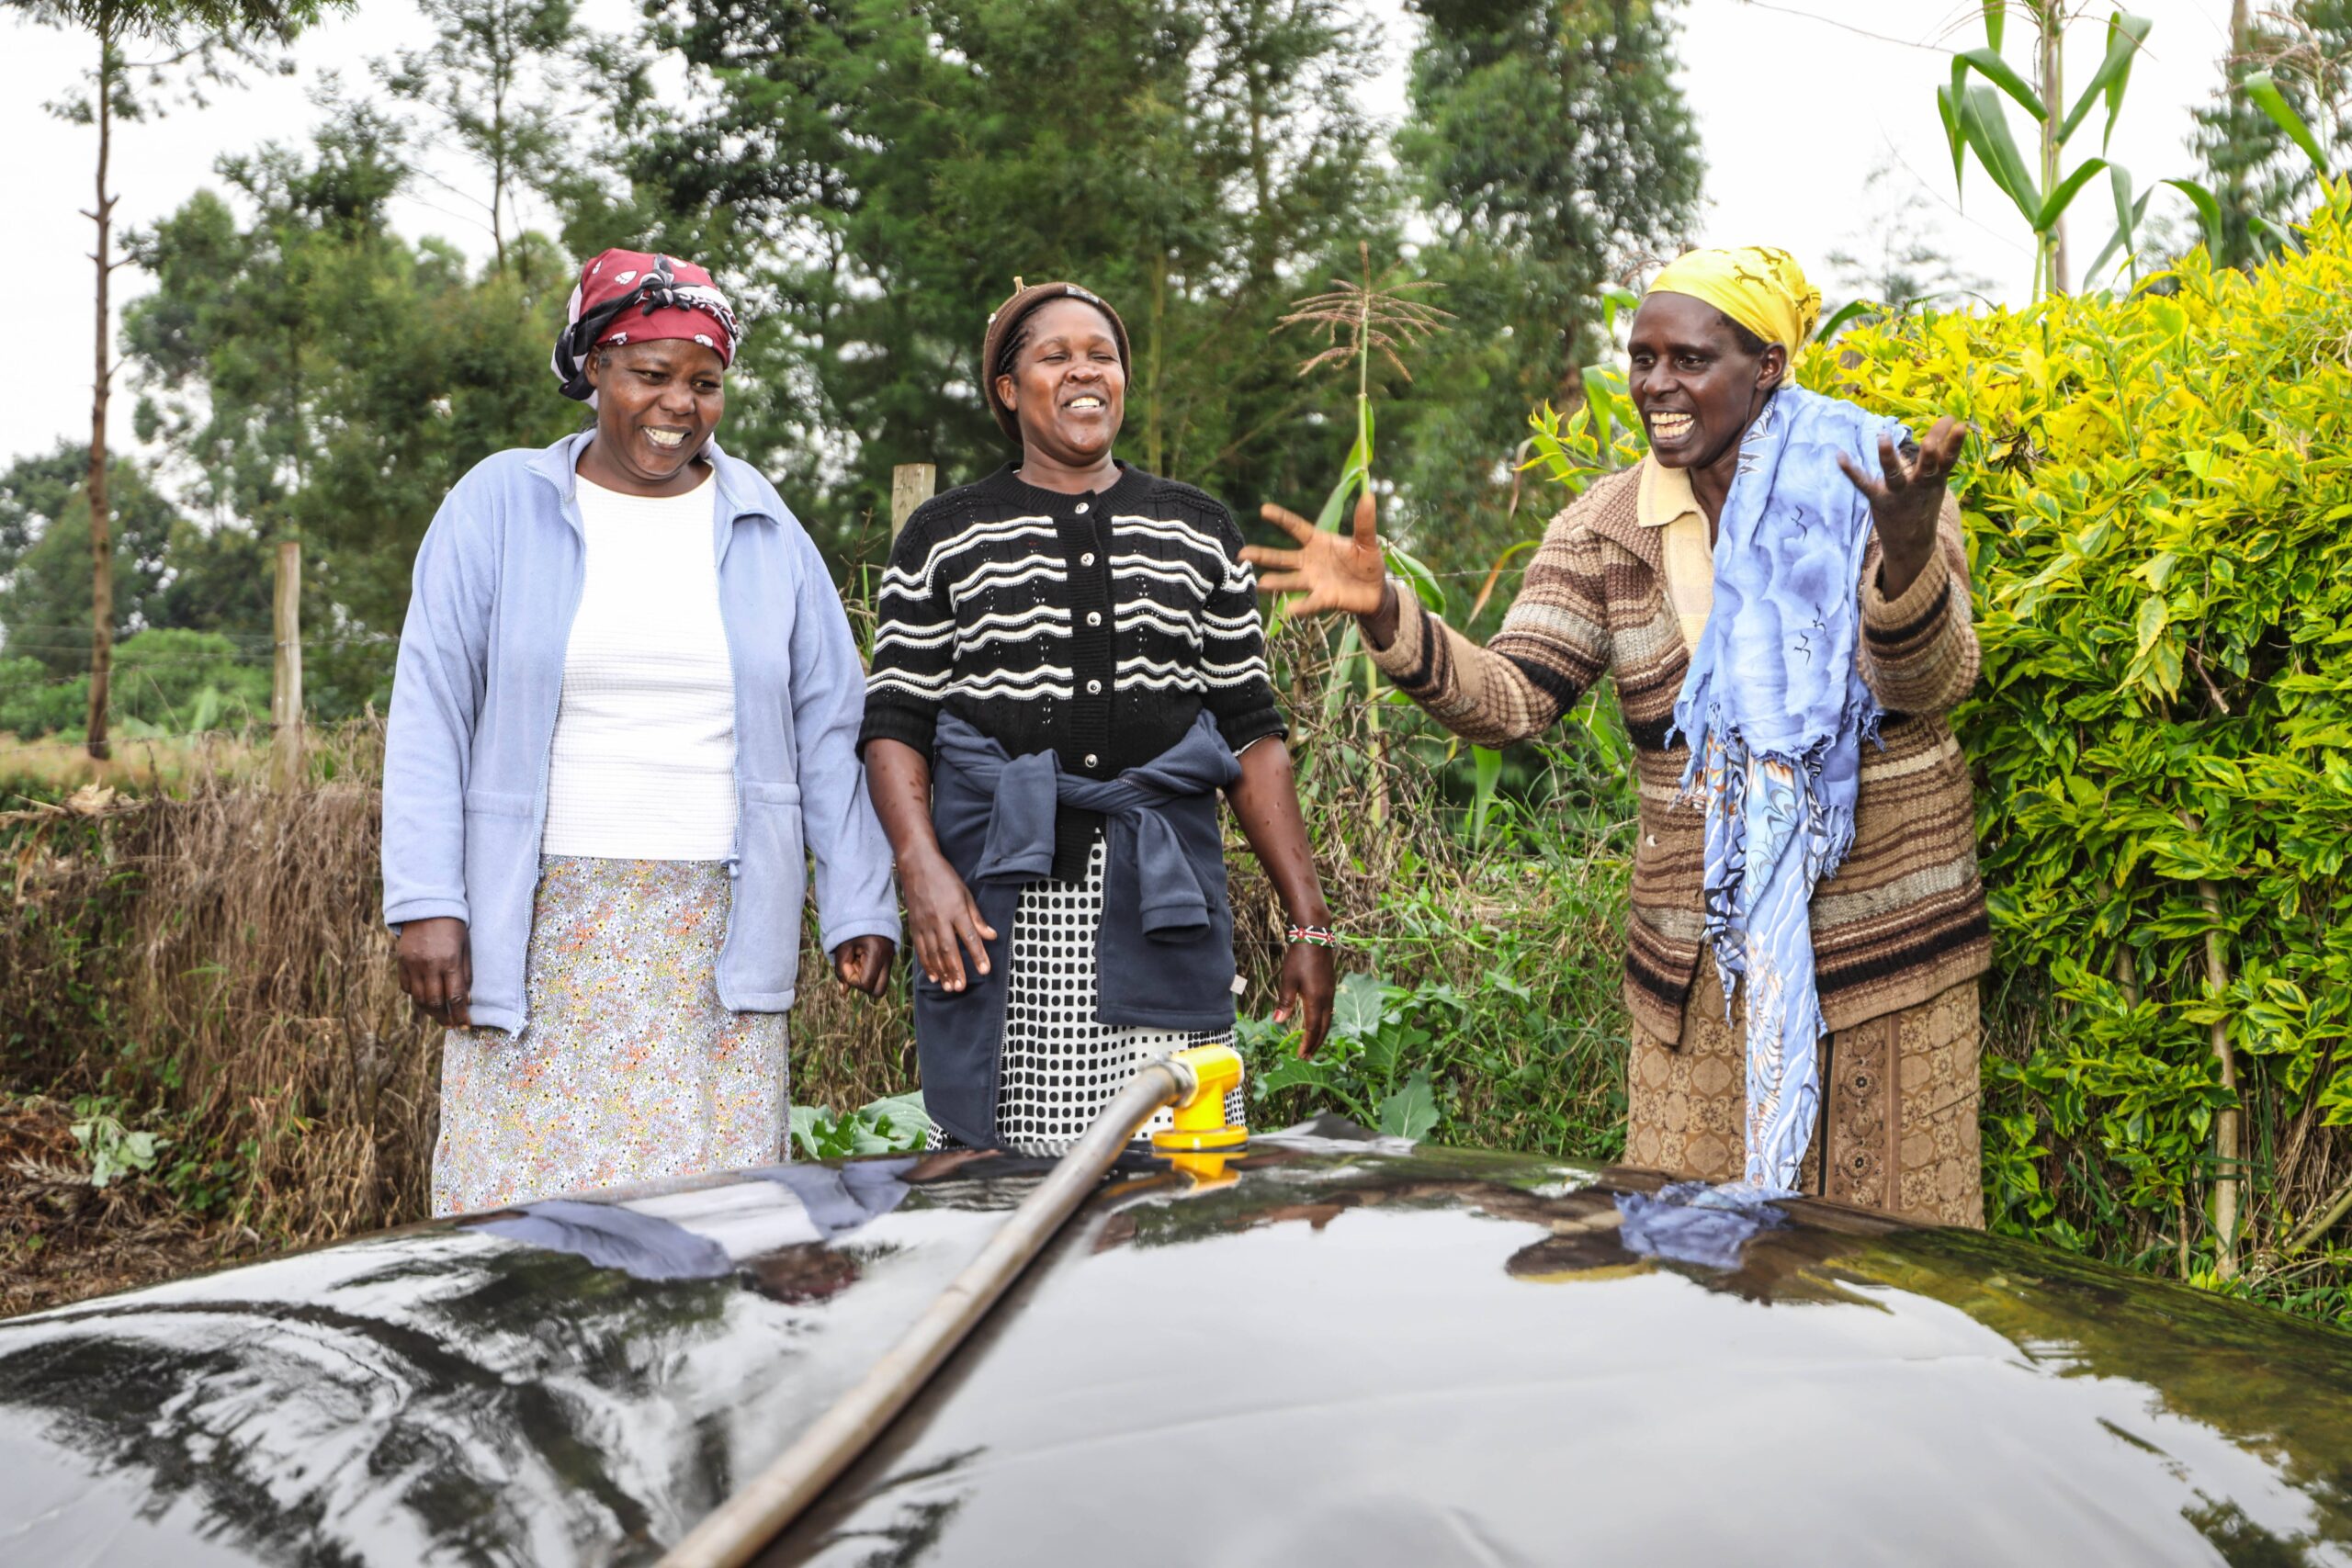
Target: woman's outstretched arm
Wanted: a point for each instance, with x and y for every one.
(1553, 645)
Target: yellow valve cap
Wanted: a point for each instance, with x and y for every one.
(1200, 1115)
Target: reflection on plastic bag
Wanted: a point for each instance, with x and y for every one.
(1691, 1222)
(613, 1237)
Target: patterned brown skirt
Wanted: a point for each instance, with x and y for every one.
(1901, 1117)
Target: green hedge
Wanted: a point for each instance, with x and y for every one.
(2159, 510)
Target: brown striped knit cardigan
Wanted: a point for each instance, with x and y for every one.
(1902, 920)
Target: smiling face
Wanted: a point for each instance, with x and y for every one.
(1695, 387)
(1068, 389)
(657, 404)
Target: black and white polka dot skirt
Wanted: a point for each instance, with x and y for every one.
(1060, 1066)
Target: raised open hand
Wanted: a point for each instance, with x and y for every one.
(1332, 573)
(1906, 503)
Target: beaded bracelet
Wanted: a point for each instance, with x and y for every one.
(1313, 936)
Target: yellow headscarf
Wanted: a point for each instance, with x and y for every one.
(1761, 289)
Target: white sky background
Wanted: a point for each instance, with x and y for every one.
(1797, 101)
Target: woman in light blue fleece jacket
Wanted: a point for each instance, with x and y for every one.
(626, 709)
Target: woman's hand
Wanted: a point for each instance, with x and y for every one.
(437, 969)
(1906, 504)
(1331, 573)
(1308, 981)
(864, 963)
(942, 921)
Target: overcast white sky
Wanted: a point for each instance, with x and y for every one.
(1797, 101)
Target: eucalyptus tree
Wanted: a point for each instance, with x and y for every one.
(329, 379)
(873, 177)
(142, 48)
(494, 78)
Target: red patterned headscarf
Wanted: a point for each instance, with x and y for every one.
(635, 296)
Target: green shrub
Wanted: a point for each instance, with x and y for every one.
(2157, 517)
(168, 681)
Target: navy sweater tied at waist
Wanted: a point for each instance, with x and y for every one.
(1164, 951)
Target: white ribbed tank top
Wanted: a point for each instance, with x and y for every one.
(643, 766)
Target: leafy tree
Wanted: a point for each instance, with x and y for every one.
(876, 176)
(490, 78)
(2252, 170)
(205, 37)
(330, 381)
(1553, 153)
(166, 571)
(1897, 257)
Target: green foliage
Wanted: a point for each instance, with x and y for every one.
(331, 381)
(112, 1150)
(1479, 999)
(2156, 517)
(1547, 144)
(167, 571)
(2255, 142)
(881, 174)
(896, 1122)
(167, 682)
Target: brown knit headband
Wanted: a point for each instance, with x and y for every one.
(1006, 319)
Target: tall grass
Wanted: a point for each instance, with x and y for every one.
(209, 955)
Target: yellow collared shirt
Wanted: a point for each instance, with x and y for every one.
(1666, 503)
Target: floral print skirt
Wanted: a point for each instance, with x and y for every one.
(628, 1068)
(1900, 1117)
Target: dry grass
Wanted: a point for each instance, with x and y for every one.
(219, 949)
(43, 769)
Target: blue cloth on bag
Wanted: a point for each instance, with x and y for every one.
(840, 1199)
(614, 1238)
(1775, 711)
(1164, 951)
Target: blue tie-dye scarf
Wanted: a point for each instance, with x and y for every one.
(1775, 712)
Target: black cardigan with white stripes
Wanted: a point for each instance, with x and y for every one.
(1096, 626)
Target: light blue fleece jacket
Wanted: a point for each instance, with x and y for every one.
(474, 698)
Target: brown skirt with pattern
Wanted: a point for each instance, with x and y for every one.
(1900, 1118)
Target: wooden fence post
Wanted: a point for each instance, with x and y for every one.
(286, 671)
(911, 484)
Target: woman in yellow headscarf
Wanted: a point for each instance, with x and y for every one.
(1782, 582)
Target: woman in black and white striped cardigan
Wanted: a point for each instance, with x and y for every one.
(1072, 604)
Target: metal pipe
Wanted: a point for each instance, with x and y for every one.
(738, 1528)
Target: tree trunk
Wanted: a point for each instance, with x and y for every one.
(95, 488)
(1154, 428)
(1261, 174)
(286, 670)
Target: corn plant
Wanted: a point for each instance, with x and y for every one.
(1976, 121)
(1358, 320)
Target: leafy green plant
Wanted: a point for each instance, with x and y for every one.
(112, 1149)
(1365, 1066)
(894, 1123)
(2157, 511)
